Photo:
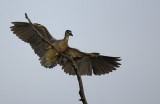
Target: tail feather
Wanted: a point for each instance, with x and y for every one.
(50, 59)
(47, 63)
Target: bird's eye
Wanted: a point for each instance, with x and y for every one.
(69, 32)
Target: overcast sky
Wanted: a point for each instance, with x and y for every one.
(129, 29)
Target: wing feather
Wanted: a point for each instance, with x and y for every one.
(89, 63)
(26, 33)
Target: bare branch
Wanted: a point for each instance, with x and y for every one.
(81, 91)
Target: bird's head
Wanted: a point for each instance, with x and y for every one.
(68, 33)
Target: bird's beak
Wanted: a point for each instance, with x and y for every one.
(71, 34)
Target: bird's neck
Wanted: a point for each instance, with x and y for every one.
(66, 38)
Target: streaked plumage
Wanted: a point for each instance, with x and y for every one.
(87, 63)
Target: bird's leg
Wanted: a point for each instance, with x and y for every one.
(45, 44)
(47, 48)
(44, 37)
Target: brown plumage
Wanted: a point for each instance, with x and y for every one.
(87, 63)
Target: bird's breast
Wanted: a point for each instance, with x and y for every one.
(61, 46)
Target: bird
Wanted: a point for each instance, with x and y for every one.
(42, 43)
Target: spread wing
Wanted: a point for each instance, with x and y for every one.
(26, 33)
(89, 63)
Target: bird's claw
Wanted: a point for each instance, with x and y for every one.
(48, 48)
(44, 37)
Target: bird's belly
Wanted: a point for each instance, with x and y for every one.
(61, 47)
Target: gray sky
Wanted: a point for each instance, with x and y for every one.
(126, 28)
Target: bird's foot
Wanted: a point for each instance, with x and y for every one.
(44, 37)
(58, 53)
(48, 48)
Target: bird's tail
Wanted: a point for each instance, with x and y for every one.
(50, 59)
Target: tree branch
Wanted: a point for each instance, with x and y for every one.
(70, 58)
